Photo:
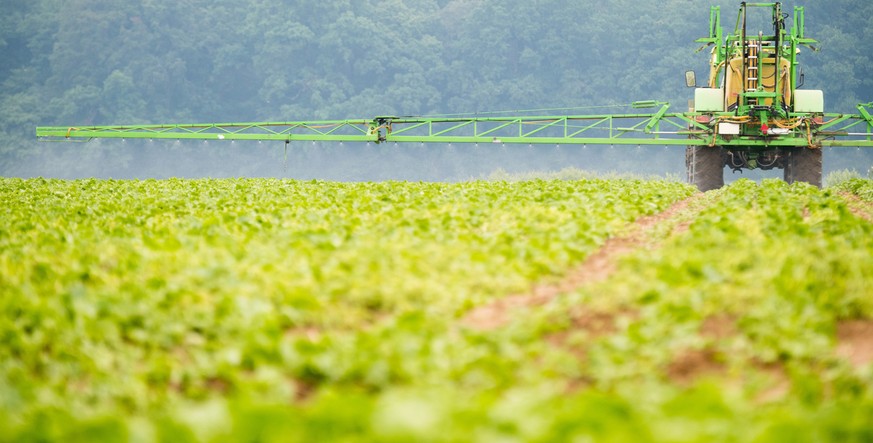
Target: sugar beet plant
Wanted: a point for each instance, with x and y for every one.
(760, 313)
(135, 307)
(863, 188)
(214, 310)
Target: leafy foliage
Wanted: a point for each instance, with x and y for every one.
(863, 188)
(133, 296)
(208, 310)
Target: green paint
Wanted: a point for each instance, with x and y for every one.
(758, 103)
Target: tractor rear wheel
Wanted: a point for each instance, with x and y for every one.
(804, 165)
(705, 167)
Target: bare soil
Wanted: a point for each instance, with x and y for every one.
(594, 323)
(855, 341)
(859, 207)
(596, 268)
(695, 363)
(780, 383)
(719, 327)
(691, 364)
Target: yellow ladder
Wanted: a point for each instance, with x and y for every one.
(752, 74)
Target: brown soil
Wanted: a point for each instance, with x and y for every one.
(719, 327)
(780, 383)
(858, 207)
(216, 384)
(496, 314)
(594, 323)
(596, 268)
(303, 391)
(692, 364)
(855, 341)
(682, 227)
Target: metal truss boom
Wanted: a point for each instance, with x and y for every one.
(656, 128)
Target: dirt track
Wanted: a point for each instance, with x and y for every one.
(858, 207)
(596, 268)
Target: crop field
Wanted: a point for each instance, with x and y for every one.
(495, 311)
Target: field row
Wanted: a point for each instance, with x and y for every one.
(123, 296)
(282, 310)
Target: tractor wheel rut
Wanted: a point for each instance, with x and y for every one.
(596, 268)
(858, 207)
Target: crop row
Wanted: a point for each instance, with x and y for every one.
(753, 325)
(857, 186)
(275, 311)
(143, 306)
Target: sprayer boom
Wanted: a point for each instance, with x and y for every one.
(658, 128)
(751, 113)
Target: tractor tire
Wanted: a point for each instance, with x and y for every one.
(705, 167)
(804, 165)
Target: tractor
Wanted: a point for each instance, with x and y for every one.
(753, 101)
(751, 114)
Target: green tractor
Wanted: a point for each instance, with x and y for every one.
(752, 114)
(752, 99)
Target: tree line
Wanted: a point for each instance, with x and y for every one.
(88, 62)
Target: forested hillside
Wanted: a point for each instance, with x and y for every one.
(69, 62)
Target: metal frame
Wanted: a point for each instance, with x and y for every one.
(655, 128)
(658, 128)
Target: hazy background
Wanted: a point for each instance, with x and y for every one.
(91, 62)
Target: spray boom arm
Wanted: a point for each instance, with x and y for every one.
(658, 128)
(752, 103)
